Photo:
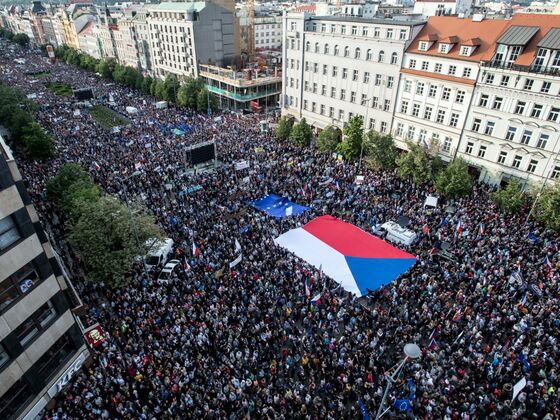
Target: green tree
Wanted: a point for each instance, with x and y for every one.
(204, 99)
(109, 240)
(21, 39)
(547, 207)
(415, 165)
(147, 84)
(77, 193)
(511, 198)
(328, 139)
(284, 128)
(159, 89)
(18, 122)
(37, 143)
(351, 145)
(106, 67)
(193, 87)
(171, 87)
(381, 151)
(59, 185)
(454, 180)
(301, 133)
(182, 96)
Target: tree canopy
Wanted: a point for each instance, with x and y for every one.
(328, 139)
(511, 198)
(301, 133)
(351, 145)
(283, 128)
(381, 151)
(454, 180)
(547, 207)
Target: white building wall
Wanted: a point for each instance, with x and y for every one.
(360, 78)
(172, 46)
(268, 32)
(513, 127)
(433, 103)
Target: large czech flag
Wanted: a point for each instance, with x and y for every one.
(354, 258)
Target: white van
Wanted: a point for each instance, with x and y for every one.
(159, 249)
(397, 234)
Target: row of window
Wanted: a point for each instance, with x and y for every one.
(20, 393)
(378, 79)
(432, 91)
(511, 133)
(503, 158)
(445, 147)
(330, 112)
(430, 114)
(438, 68)
(355, 53)
(376, 32)
(373, 101)
(521, 108)
(528, 85)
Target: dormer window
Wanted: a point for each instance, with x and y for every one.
(423, 46)
(466, 51)
(444, 48)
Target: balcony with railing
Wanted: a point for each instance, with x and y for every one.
(537, 69)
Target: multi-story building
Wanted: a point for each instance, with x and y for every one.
(87, 41)
(186, 34)
(268, 32)
(105, 30)
(127, 44)
(41, 343)
(49, 30)
(513, 125)
(438, 78)
(36, 15)
(258, 90)
(338, 67)
(58, 27)
(142, 31)
(428, 8)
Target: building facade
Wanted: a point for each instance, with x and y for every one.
(438, 79)
(268, 32)
(41, 343)
(258, 90)
(338, 67)
(188, 33)
(513, 126)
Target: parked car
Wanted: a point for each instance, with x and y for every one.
(167, 272)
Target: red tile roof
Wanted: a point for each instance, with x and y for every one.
(442, 27)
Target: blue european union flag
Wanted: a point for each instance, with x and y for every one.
(278, 207)
(526, 365)
(403, 405)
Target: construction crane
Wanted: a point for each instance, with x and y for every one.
(250, 29)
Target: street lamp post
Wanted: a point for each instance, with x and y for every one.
(366, 102)
(411, 351)
(132, 220)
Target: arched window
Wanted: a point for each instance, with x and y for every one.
(369, 55)
(316, 47)
(358, 53)
(336, 50)
(307, 46)
(346, 51)
(326, 49)
(381, 56)
(394, 58)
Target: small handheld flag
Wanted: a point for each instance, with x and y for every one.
(195, 250)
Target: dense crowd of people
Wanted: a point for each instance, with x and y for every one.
(246, 342)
